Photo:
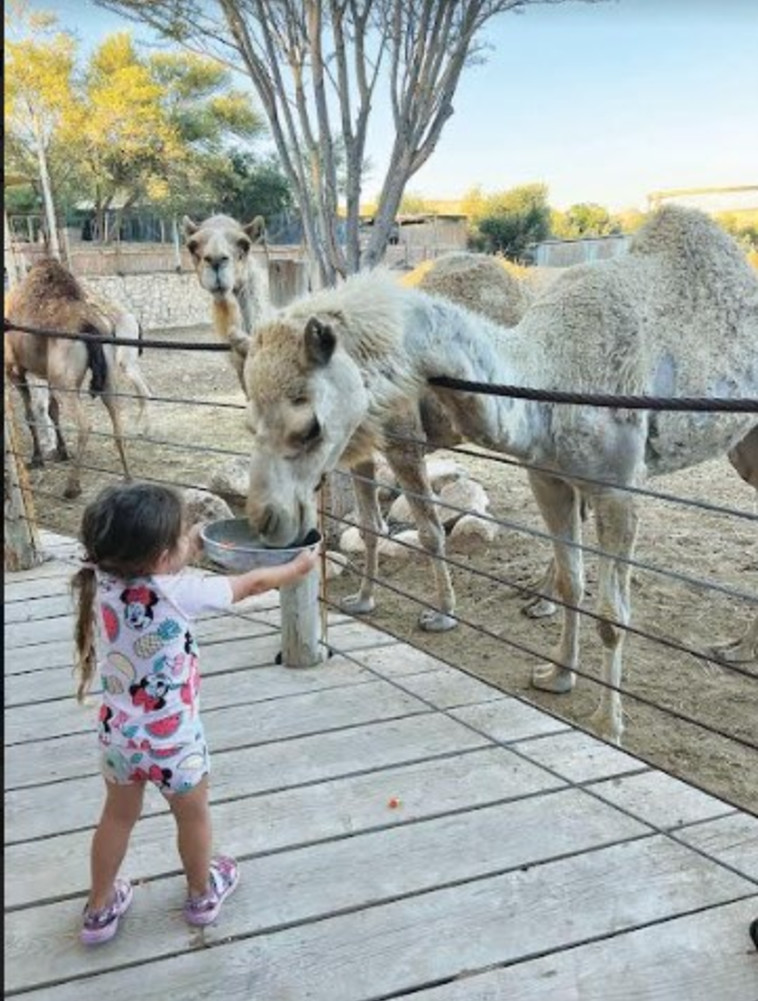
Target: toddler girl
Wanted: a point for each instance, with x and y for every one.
(150, 730)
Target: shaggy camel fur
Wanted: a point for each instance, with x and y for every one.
(50, 298)
(677, 316)
(482, 285)
(220, 249)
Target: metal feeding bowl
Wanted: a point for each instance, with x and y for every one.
(231, 544)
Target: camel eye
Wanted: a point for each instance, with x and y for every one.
(243, 246)
(299, 401)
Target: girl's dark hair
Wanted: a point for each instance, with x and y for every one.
(124, 531)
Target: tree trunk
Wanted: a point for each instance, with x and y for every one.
(47, 195)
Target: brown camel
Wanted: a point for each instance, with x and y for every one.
(50, 298)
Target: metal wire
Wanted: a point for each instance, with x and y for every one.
(583, 547)
(626, 692)
(534, 592)
(625, 487)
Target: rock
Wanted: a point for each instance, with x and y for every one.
(231, 480)
(466, 494)
(204, 506)
(443, 471)
(351, 542)
(470, 533)
(335, 563)
(393, 549)
(400, 512)
(386, 479)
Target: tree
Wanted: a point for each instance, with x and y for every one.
(153, 128)
(508, 221)
(582, 220)
(38, 76)
(316, 66)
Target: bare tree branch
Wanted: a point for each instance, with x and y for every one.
(316, 63)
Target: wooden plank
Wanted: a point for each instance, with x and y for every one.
(508, 720)
(236, 688)
(21, 635)
(16, 591)
(580, 758)
(36, 608)
(398, 660)
(409, 943)
(700, 957)
(447, 688)
(253, 770)
(346, 635)
(287, 819)
(42, 685)
(322, 879)
(659, 799)
(243, 726)
(732, 839)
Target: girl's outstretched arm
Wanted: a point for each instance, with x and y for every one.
(268, 578)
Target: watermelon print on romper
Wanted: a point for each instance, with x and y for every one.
(149, 724)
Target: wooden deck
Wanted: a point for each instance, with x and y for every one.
(403, 830)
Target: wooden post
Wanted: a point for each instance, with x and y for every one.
(287, 280)
(22, 548)
(301, 626)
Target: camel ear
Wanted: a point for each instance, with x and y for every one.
(320, 342)
(255, 229)
(188, 226)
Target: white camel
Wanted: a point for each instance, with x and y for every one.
(678, 316)
(221, 252)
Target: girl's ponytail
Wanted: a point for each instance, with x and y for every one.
(84, 585)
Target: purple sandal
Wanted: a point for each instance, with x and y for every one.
(101, 925)
(224, 877)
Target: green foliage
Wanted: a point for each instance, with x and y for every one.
(414, 204)
(508, 221)
(583, 220)
(244, 186)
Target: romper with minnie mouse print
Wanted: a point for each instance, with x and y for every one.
(150, 727)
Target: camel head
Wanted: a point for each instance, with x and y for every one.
(306, 401)
(220, 248)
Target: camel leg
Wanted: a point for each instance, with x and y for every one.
(540, 606)
(559, 505)
(71, 403)
(113, 405)
(53, 408)
(18, 378)
(141, 388)
(372, 523)
(410, 470)
(617, 520)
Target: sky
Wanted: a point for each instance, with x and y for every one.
(603, 102)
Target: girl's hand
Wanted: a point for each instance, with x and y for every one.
(195, 543)
(305, 561)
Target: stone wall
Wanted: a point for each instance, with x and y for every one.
(158, 300)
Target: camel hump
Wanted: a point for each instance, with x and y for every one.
(695, 240)
(49, 278)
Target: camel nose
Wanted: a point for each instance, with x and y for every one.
(268, 521)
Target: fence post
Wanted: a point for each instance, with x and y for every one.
(301, 625)
(22, 549)
(287, 279)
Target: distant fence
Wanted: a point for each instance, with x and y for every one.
(564, 253)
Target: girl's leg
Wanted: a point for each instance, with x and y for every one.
(123, 806)
(193, 835)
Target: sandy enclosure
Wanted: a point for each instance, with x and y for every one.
(697, 543)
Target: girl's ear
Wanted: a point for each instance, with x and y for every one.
(164, 561)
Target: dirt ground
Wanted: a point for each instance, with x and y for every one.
(690, 541)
